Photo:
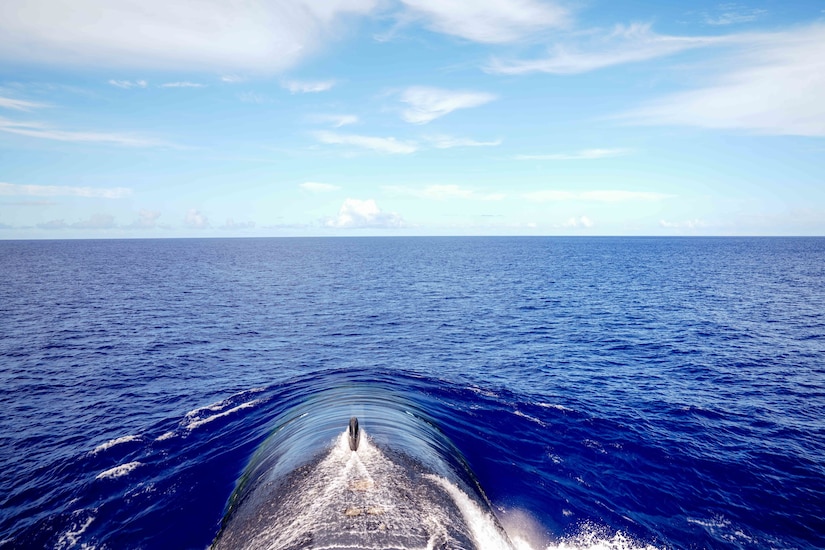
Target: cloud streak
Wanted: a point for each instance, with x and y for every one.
(41, 131)
(20, 104)
(337, 121)
(128, 84)
(186, 34)
(304, 87)
(425, 104)
(63, 191)
(773, 85)
(448, 142)
(555, 195)
(488, 21)
(585, 154)
(626, 44)
(378, 144)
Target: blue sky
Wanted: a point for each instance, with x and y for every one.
(127, 119)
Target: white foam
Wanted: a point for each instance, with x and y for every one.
(554, 406)
(70, 537)
(196, 423)
(111, 443)
(591, 537)
(530, 418)
(222, 404)
(118, 471)
(482, 525)
(165, 436)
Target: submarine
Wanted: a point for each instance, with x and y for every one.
(389, 481)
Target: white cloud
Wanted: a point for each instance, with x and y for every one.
(553, 195)
(195, 219)
(448, 142)
(489, 21)
(39, 130)
(336, 121)
(232, 79)
(53, 224)
(582, 222)
(304, 87)
(585, 154)
(426, 104)
(732, 14)
(444, 192)
(316, 187)
(233, 225)
(774, 85)
(126, 84)
(382, 145)
(62, 191)
(626, 44)
(20, 104)
(97, 221)
(184, 84)
(254, 35)
(147, 219)
(356, 213)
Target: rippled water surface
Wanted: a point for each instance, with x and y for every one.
(623, 392)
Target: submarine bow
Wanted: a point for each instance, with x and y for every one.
(388, 480)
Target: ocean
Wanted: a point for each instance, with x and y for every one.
(602, 392)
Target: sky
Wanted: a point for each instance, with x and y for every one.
(211, 118)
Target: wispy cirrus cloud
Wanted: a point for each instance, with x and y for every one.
(308, 87)
(64, 191)
(584, 154)
(625, 44)
(356, 213)
(489, 21)
(733, 14)
(773, 84)
(607, 195)
(20, 104)
(127, 84)
(183, 84)
(187, 34)
(448, 142)
(425, 104)
(379, 144)
(443, 192)
(42, 131)
(317, 187)
(337, 121)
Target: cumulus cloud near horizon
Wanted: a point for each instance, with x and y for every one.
(356, 213)
(195, 219)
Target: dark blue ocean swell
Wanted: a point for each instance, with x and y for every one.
(658, 391)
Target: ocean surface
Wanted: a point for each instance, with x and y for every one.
(604, 392)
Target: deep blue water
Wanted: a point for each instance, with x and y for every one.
(617, 391)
